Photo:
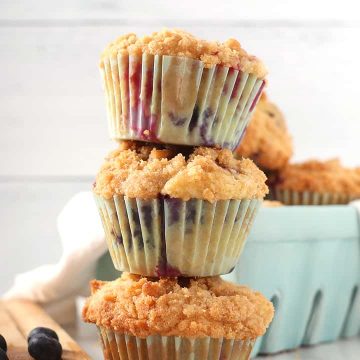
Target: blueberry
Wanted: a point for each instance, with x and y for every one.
(3, 355)
(190, 211)
(194, 118)
(3, 344)
(147, 215)
(42, 347)
(208, 113)
(43, 331)
(174, 206)
(176, 120)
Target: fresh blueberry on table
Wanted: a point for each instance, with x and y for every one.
(3, 344)
(42, 347)
(3, 355)
(43, 331)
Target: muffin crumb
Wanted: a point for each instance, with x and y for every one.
(183, 44)
(319, 176)
(146, 171)
(169, 307)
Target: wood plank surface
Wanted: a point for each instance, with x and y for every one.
(19, 317)
(17, 344)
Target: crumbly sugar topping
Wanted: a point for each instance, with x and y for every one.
(178, 307)
(183, 44)
(320, 176)
(267, 140)
(146, 171)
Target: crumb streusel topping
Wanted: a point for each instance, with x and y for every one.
(146, 171)
(178, 307)
(184, 44)
(267, 140)
(320, 176)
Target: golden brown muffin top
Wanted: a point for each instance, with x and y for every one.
(178, 307)
(267, 140)
(184, 44)
(146, 171)
(320, 176)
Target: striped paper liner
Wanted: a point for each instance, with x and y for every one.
(176, 100)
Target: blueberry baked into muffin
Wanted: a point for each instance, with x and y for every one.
(171, 87)
(171, 211)
(267, 140)
(178, 318)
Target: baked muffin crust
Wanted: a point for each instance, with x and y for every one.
(267, 140)
(183, 44)
(320, 176)
(178, 307)
(146, 171)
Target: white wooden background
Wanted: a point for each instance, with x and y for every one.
(53, 131)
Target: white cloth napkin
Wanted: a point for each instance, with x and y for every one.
(56, 286)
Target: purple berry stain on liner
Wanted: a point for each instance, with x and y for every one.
(136, 231)
(257, 96)
(118, 238)
(205, 125)
(194, 118)
(191, 211)
(174, 209)
(147, 215)
(237, 217)
(177, 121)
(146, 102)
(153, 126)
(163, 269)
(166, 270)
(190, 215)
(146, 210)
(236, 87)
(135, 85)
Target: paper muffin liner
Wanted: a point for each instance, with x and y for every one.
(172, 237)
(176, 100)
(119, 346)
(290, 197)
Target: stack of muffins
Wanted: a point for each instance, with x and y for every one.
(176, 206)
(313, 182)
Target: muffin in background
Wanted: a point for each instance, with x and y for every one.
(272, 204)
(171, 87)
(175, 318)
(170, 211)
(316, 183)
(267, 140)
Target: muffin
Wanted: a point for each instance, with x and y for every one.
(171, 87)
(267, 140)
(183, 318)
(170, 211)
(316, 183)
